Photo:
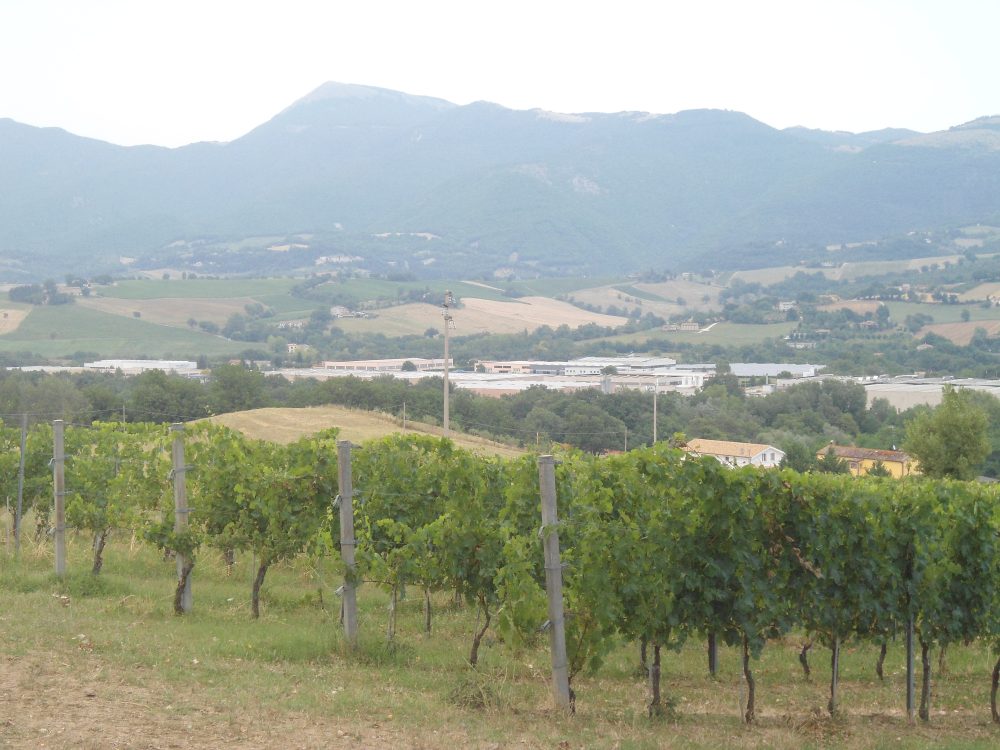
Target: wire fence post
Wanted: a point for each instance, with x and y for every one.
(347, 541)
(59, 498)
(181, 512)
(553, 582)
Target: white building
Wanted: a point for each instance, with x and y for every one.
(730, 453)
(623, 365)
(387, 365)
(136, 366)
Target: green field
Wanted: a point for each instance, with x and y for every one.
(640, 293)
(197, 288)
(555, 287)
(723, 334)
(62, 330)
(102, 662)
(941, 313)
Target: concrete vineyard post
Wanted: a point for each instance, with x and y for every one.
(553, 581)
(181, 510)
(347, 541)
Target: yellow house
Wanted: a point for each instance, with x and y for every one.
(862, 460)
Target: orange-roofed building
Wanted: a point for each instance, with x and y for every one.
(862, 460)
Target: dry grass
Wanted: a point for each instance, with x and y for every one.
(101, 663)
(170, 312)
(960, 333)
(858, 306)
(284, 425)
(10, 319)
(480, 316)
(692, 292)
(981, 292)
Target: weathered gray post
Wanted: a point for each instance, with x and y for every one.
(59, 497)
(181, 512)
(553, 581)
(347, 542)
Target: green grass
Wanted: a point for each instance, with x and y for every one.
(724, 334)
(553, 287)
(197, 288)
(291, 673)
(941, 313)
(61, 330)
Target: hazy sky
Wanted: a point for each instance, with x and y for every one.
(146, 71)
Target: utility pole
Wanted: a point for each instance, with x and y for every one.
(449, 300)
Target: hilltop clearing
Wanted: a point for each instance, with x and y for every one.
(284, 425)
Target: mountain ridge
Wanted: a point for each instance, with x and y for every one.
(578, 192)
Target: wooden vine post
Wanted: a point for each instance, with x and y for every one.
(553, 582)
(713, 654)
(347, 541)
(911, 676)
(59, 497)
(181, 514)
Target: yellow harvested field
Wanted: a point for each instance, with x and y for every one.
(858, 306)
(981, 292)
(689, 291)
(844, 271)
(480, 316)
(168, 311)
(285, 425)
(692, 292)
(10, 319)
(961, 333)
(608, 296)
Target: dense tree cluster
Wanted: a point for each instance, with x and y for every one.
(799, 420)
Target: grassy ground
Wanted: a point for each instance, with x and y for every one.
(102, 662)
(726, 334)
(942, 313)
(61, 330)
(197, 288)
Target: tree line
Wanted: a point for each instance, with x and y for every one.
(799, 419)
